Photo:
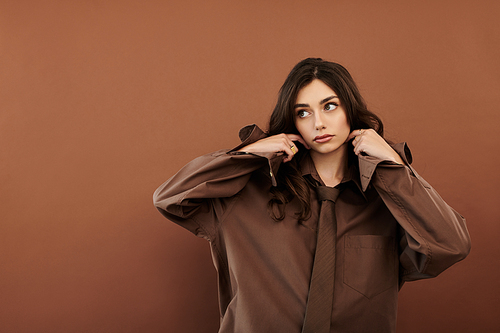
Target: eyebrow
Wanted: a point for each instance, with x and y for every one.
(324, 100)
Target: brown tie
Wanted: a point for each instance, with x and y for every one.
(320, 299)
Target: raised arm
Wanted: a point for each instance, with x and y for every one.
(435, 235)
(197, 196)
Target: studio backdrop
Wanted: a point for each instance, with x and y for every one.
(102, 101)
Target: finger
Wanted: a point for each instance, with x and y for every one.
(284, 146)
(288, 155)
(358, 149)
(296, 137)
(353, 134)
(290, 144)
(357, 132)
(357, 140)
(290, 150)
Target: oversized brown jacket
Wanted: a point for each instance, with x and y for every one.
(392, 227)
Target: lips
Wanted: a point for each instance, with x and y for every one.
(323, 138)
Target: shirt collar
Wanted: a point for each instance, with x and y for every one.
(309, 170)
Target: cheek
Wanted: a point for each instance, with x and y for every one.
(301, 128)
(346, 126)
(345, 123)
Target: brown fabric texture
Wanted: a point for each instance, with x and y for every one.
(320, 298)
(392, 227)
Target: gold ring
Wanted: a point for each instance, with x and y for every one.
(293, 149)
(361, 132)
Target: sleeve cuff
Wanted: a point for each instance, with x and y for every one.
(368, 164)
(250, 134)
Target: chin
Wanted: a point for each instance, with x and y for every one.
(329, 149)
(326, 150)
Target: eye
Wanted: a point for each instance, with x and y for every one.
(331, 106)
(303, 113)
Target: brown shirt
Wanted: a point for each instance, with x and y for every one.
(391, 227)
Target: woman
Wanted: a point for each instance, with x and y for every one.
(259, 207)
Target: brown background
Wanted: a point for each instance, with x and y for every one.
(102, 101)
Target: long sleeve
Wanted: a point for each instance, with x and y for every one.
(435, 235)
(200, 193)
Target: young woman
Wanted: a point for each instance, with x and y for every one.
(260, 206)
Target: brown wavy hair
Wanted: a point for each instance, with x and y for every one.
(290, 182)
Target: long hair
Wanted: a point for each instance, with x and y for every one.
(290, 182)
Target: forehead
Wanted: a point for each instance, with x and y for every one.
(314, 92)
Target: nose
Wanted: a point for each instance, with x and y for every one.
(318, 118)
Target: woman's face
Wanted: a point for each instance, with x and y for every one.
(320, 118)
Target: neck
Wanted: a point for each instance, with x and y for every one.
(331, 167)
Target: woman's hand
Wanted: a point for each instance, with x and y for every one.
(369, 142)
(276, 143)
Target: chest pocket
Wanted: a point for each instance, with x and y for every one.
(370, 264)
